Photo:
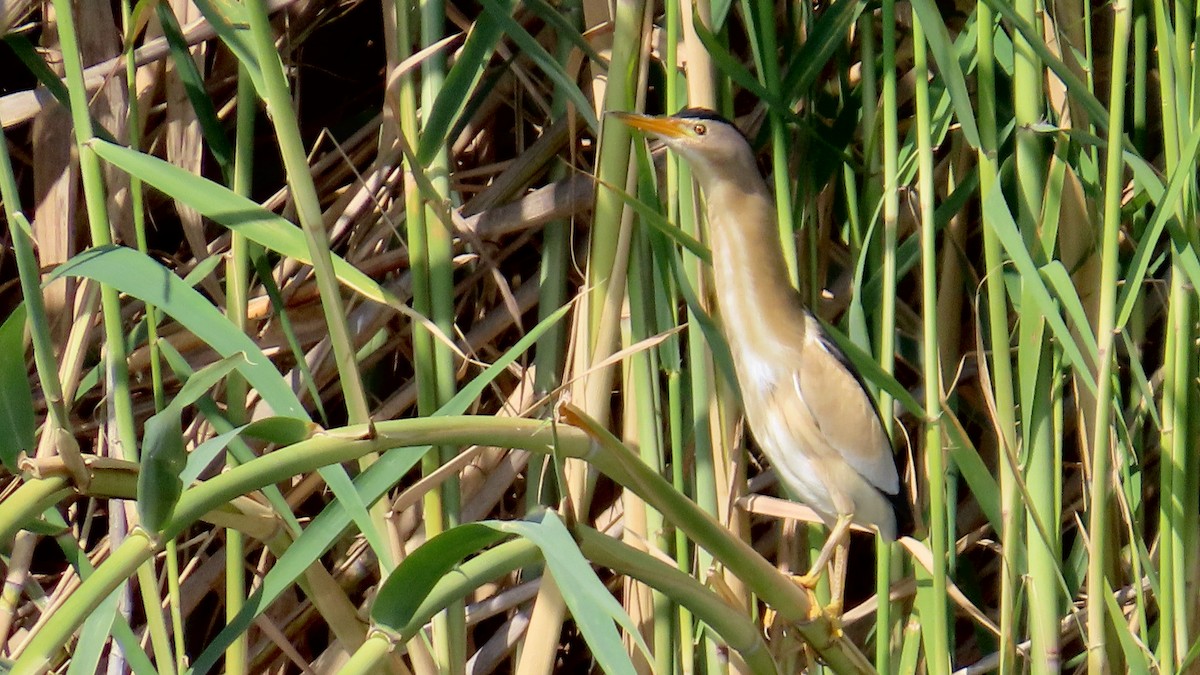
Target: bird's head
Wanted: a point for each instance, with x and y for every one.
(711, 144)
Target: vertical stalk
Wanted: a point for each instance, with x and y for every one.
(998, 338)
(872, 192)
(1172, 606)
(451, 651)
(679, 181)
(937, 632)
(277, 96)
(1039, 367)
(58, 422)
(642, 422)
(425, 353)
(120, 435)
(608, 250)
(1033, 351)
(1187, 561)
(117, 374)
(556, 252)
(713, 403)
(885, 252)
(1185, 13)
(597, 319)
(1100, 655)
(137, 208)
(891, 207)
(762, 15)
(1041, 396)
(237, 288)
(119, 398)
(29, 272)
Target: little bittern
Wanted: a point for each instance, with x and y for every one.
(804, 402)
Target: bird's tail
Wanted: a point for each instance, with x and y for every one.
(906, 524)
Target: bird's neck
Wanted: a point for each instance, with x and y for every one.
(753, 286)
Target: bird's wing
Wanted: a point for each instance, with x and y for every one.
(843, 411)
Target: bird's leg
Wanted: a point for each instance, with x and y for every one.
(837, 580)
(838, 536)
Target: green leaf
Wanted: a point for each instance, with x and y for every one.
(231, 23)
(500, 12)
(30, 58)
(280, 430)
(240, 451)
(720, 12)
(242, 215)
(653, 217)
(355, 503)
(592, 606)
(16, 398)
(1076, 88)
(1066, 293)
(557, 18)
(206, 452)
(1006, 231)
(203, 269)
(942, 48)
(1192, 655)
(973, 469)
(204, 379)
(138, 18)
(163, 459)
(371, 484)
(1137, 660)
(138, 275)
(734, 69)
(828, 34)
(410, 583)
(1166, 210)
(36, 65)
(193, 84)
(460, 81)
(94, 635)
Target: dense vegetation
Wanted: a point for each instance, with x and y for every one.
(352, 336)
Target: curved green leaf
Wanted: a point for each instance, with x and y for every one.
(138, 275)
(163, 459)
(371, 484)
(408, 585)
(16, 398)
(592, 606)
(224, 206)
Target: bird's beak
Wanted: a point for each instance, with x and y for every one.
(664, 127)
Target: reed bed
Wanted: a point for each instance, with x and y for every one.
(354, 337)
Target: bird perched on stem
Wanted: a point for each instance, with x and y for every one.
(805, 404)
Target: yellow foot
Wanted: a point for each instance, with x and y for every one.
(831, 612)
(809, 580)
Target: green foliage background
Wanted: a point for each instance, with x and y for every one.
(352, 336)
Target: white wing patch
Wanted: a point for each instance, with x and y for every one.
(758, 374)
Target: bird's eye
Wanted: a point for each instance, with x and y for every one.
(700, 129)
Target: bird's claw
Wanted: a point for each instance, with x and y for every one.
(808, 581)
(831, 612)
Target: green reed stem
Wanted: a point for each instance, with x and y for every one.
(937, 631)
(1100, 654)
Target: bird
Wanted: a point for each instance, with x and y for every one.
(805, 403)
